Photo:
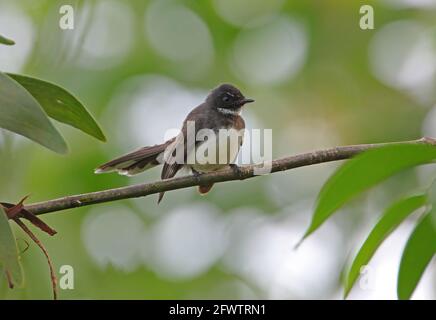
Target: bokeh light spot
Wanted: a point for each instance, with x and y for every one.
(151, 109)
(109, 37)
(270, 54)
(179, 35)
(247, 12)
(403, 56)
(112, 236)
(186, 242)
(15, 25)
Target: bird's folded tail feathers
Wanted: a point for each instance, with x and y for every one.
(136, 161)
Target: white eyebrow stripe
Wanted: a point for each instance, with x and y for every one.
(230, 94)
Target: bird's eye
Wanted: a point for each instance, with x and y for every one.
(226, 98)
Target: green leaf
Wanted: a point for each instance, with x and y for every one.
(419, 250)
(22, 114)
(363, 172)
(9, 258)
(60, 105)
(6, 41)
(390, 220)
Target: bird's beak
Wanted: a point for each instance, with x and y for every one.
(246, 100)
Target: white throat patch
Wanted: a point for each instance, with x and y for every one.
(233, 112)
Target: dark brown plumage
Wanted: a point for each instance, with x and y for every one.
(221, 110)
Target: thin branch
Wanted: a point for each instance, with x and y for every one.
(245, 172)
(44, 250)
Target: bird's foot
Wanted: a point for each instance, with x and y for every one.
(196, 174)
(237, 170)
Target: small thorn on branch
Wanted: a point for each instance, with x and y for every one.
(16, 211)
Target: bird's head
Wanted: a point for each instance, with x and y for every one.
(228, 98)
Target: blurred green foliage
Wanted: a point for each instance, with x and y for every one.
(9, 258)
(419, 250)
(60, 105)
(6, 41)
(363, 172)
(390, 220)
(20, 113)
(316, 79)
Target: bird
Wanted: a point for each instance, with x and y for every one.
(220, 112)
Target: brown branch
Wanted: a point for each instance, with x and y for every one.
(44, 250)
(245, 172)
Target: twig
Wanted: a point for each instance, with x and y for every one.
(44, 250)
(245, 172)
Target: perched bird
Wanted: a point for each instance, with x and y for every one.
(221, 110)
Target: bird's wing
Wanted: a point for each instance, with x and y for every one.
(172, 158)
(172, 162)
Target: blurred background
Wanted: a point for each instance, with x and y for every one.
(141, 66)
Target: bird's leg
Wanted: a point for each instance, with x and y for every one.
(196, 174)
(202, 188)
(237, 170)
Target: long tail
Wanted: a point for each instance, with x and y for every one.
(136, 161)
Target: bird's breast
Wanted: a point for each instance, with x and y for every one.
(217, 151)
